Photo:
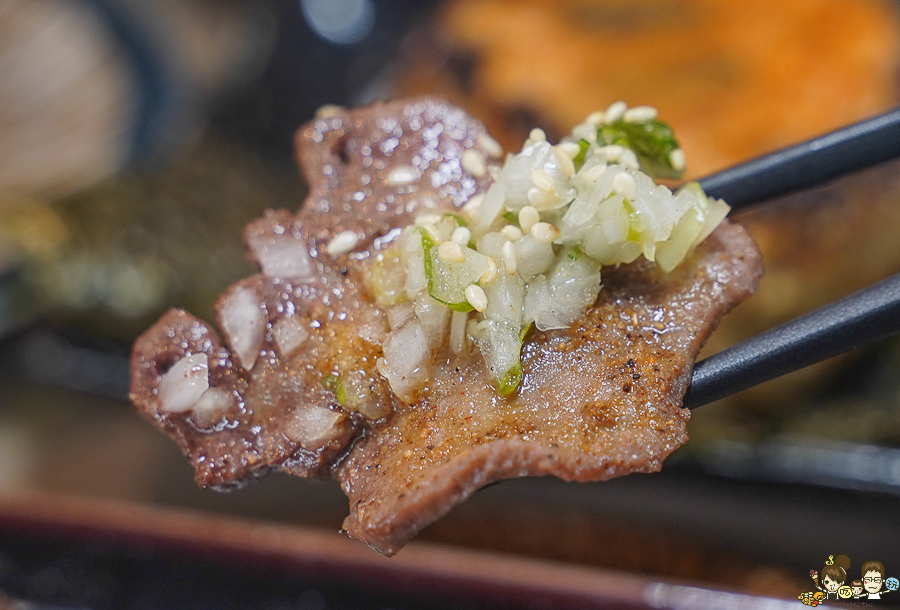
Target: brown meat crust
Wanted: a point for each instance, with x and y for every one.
(597, 401)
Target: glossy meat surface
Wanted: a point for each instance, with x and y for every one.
(266, 390)
(599, 400)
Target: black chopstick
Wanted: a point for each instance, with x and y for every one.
(861, 318)
(808, 164)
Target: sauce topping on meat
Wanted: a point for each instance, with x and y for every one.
(329, 366)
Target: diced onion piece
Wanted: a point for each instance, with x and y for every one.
(445, 226)
(660, 209)
(433, 316)
(212, 405)
(717, 212)
(491, 244)
(533, 257)
(540, 176)
(671, 252)
(501, 344)
(182, 385)
(416, 280)
(538, 298)
(565, 294)
(608, 240)
(244, 324)
(449, 279)
(517, 171)
(354, 392)
(458, 324)
(398, 315)
(611, 219)
(483, 216)
(406, 357)
(506, 294)
(373, 327)
(289, 334)
(700, 220)
(387, 277)
(579, 217)
(283, 256)
(313, 427)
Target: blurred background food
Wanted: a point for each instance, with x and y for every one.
(736, 79)
(137, 139)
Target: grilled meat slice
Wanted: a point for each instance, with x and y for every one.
(598, 400)
(294, 384)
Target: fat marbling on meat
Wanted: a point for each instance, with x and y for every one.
(598, 400)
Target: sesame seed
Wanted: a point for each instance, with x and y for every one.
(489, 145)
(512, 232)
(537, 135)
(528, 217)
(508, 252)
(473, 162)
(451, 252)
(565, 162)
(629, 159)
(594, 173)
(585, 131)
(542, 200)
(612, 152)
(329, 110)
(570, 148)
(382, 368)
(543, 181)
(461, 236)
(490, 274)
(596, 118)
(615, 111)
(427, 219)
(639, 114)
(677, 160)
(545, 233)
(342, 243)
(402, 175)
(476, 297)
(472, 204)
(624, 183)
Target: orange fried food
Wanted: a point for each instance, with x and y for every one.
(735, 78)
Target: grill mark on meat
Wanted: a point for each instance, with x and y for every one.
(596, 401)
